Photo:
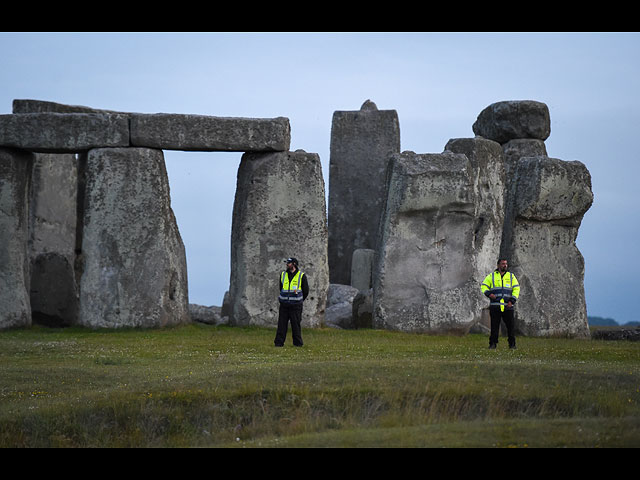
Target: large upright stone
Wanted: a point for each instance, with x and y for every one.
(207, 133)
(134, 266)
(488, 174)
(52, 226)
(551, 198)
(52, 239)
(63, 132)
(279, 212)
(424, 277)
(15, 174)
(362, 142)
(504, 121)
(489, 183)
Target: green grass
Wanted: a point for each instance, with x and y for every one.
(205, 386)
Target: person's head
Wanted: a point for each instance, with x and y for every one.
(292, 264)
(502, 264)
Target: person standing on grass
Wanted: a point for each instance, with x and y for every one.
(503, 289)
(294, 289)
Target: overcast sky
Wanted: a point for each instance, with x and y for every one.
(437, 82)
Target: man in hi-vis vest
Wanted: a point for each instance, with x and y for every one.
(503, 289)
(294, 289)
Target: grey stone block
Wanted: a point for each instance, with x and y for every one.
(63, 132)
(504, 121)
(206, 133)
(362, 142)
(134, 271)
(279, 211)
(15, 174)
(423, 278)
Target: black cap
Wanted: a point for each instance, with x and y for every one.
(292, 260)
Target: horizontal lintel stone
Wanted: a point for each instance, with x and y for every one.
(207, 133)
(63, 132)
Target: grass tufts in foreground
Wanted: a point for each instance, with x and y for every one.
(205, 386)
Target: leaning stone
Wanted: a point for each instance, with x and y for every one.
(134, 266)
(504, 121)
(279, 211)
(63, 132)
(552, 197)
(207, 133)
(362, 143)
(423, 279)
(15, 174)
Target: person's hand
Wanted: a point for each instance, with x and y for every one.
(509, 304)
(492, 296)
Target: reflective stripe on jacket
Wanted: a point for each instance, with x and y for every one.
(291, 292)
(505, 287)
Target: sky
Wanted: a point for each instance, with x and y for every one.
(438, 83)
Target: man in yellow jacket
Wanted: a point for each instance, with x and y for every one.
(503, 289)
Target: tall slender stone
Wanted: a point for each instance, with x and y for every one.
(279, 212)
(52, 239)
(362, 142)
(133, 259)
(15, 175)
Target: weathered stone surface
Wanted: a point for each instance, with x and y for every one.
(339, 313)
(279, 211)
(362, 143)
(423, 278)
(362, 268)
(517, 148)
(551, 198)
(363, 309)
(504, 121)
(52, 239)
(207, 133)
(43, 106)
(63, 132)
(210, 315)
(15, 174)
(134, 266)
(488, 176)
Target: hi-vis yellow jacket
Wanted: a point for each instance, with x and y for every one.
(505, 287)
(291, 292)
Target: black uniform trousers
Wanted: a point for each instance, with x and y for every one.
(498, 315)
(286, 314)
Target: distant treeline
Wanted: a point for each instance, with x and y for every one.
(609, 322)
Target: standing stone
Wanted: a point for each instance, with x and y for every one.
(514, 150)
(424, 279)
(362, 142)
(551, 198)
(134, 266)
(279, 211)
(52, 227)
(488, 174)
(15, 174)
(52, 239)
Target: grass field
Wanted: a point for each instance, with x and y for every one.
(206, 386)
